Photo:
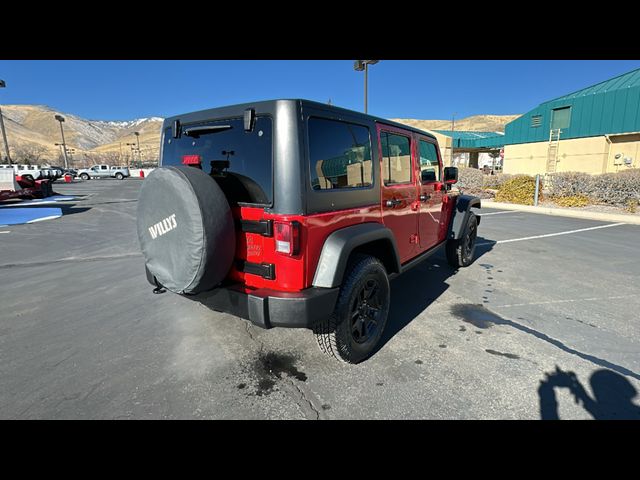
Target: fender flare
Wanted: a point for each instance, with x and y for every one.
(460, 215)
(340, 244)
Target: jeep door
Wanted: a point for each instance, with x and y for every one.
(399, 191)
(431, 192)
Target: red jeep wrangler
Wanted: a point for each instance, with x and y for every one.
(292, 213)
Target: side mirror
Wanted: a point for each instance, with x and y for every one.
(450, 175)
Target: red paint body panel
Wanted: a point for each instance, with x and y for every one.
(402, 219)
(293, 273)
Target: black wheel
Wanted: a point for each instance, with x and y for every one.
(84, 176)
(119, 176)
(356, 325)
(460, 252)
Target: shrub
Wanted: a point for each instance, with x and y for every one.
(572, 201)
(631, 206)
(609, 188)
(495, 181)
(469, 178)
(569, 184)
(520, 189)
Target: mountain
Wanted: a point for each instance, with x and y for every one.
(33, 128)
(32, 132)
(475, 123)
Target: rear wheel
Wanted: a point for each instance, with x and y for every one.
(354, 329)
(460, 252)
(119, 176)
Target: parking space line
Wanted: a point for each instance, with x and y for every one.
(553, 234)
(498, 213)
(592, 299)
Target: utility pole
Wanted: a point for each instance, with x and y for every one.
(60, 118)
(4, 133)
(453, 129)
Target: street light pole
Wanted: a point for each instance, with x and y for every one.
(137, 134)
(359, 66)
(4, 133)
(60, 118)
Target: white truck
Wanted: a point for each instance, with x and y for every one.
(104, 171)
(30, 172)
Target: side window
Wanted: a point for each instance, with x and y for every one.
(429, 166)
(339, 155)
(396, 158)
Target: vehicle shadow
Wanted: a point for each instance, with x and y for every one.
(70, 209)
(416, 289)
(613, 395)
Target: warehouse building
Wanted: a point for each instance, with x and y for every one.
(594, 130)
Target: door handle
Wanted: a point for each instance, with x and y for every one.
(424, 198)
(393, 203)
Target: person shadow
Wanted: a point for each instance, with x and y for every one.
(612, 395)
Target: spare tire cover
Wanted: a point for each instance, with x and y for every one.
(186, 229)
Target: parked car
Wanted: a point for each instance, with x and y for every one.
(104, 171)
(292, 213)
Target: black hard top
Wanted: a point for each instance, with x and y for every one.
(269, 105)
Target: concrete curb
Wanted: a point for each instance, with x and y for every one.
(565, 212)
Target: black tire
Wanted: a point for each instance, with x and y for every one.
(119, 176)
(353, 331)
(460, 252)
(84, 176)
(186, 229)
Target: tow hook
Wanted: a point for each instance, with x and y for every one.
(159, 288)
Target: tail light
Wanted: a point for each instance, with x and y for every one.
(195, 160)
(287, 236)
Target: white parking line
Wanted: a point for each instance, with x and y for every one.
(554, 234)
(498, 213)
(591, 299)
(6, 231)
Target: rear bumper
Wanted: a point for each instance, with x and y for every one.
(270, 308)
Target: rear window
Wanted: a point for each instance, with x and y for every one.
(241, 162)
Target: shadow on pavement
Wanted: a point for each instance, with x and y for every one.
(415, 290)
(612, 392)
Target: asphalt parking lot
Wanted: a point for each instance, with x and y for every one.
(544, 324)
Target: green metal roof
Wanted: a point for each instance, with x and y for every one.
(468, 139)
(609, 107)
(626, 80)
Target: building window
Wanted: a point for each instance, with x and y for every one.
(536, 120)
(340, 155)
(396, 158)
(560, 118)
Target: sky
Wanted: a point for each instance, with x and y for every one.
(421, 89)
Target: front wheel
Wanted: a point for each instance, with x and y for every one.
(84, 176)
(460, 252)
(354, 329)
